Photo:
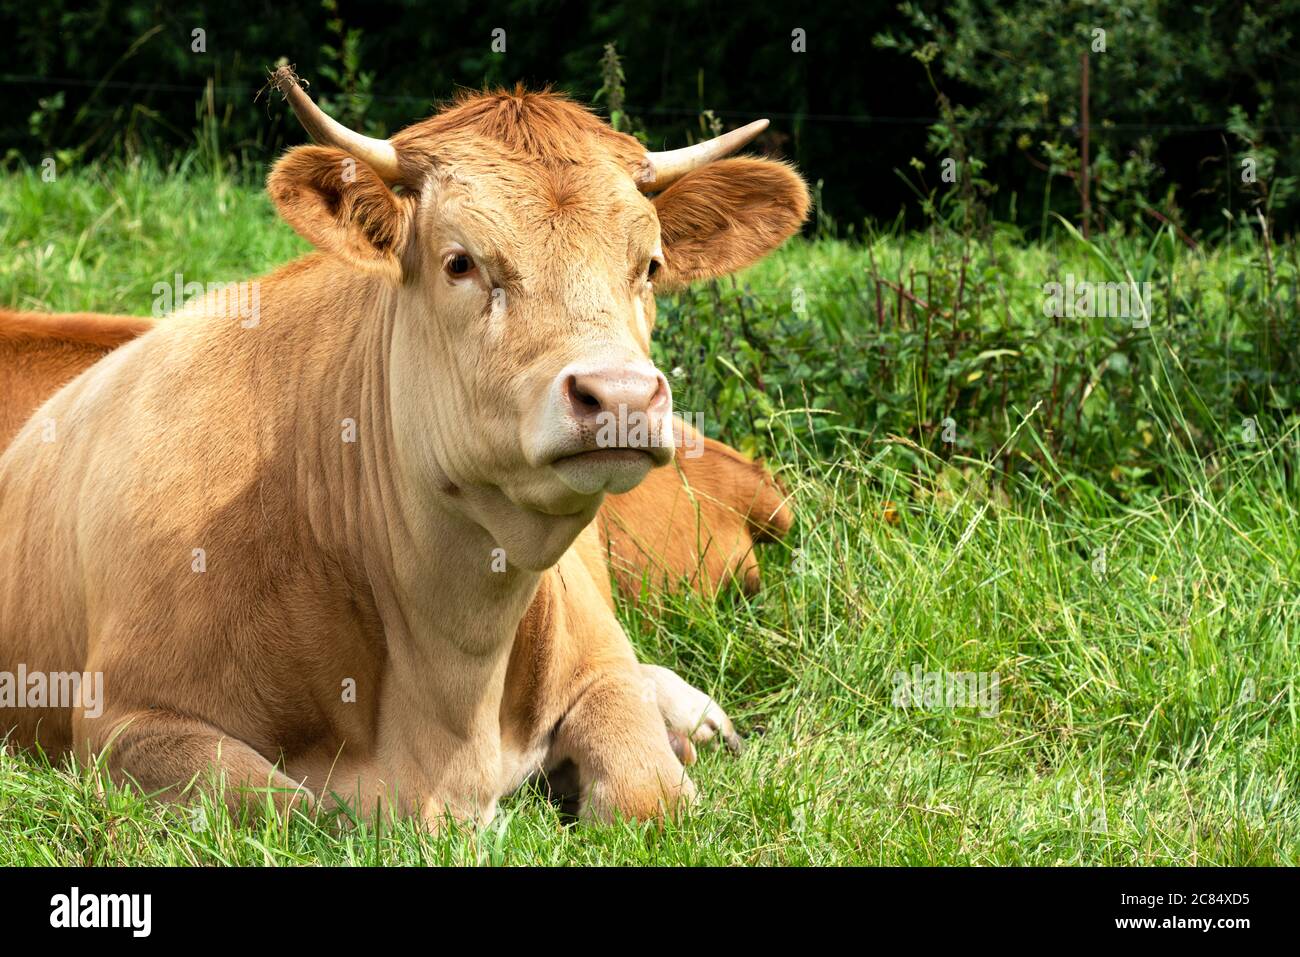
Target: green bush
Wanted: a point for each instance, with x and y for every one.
(903, 333)
(1170, 86)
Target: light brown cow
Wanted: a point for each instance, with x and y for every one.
(692, 525)
(331, 551)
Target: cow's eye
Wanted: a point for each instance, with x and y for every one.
(459, 265)
(652, 269)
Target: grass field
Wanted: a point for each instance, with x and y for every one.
(1144, 636)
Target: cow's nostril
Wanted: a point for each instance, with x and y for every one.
(583, 400)
(661, 392)
(639, 395)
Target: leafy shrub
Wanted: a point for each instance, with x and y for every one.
(905, 334)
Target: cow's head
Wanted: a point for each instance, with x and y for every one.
(522, 241)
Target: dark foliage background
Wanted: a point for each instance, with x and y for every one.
(1181, 94)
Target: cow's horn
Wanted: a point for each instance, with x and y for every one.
(658, 170)
(378, 154)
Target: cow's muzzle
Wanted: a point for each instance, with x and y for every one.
(606, 426)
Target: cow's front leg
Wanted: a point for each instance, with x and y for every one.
(574, 682)
(614, 734)
(691, 715)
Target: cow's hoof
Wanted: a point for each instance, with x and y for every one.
(682, 747)
(690, 714)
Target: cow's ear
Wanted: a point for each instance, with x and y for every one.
(340, 206)
(725, 216)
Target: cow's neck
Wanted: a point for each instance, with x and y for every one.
(439, 588)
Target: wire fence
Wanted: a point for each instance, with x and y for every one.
(865, 119)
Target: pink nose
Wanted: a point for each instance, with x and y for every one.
(625, 391)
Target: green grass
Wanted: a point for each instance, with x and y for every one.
(1148, 709)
